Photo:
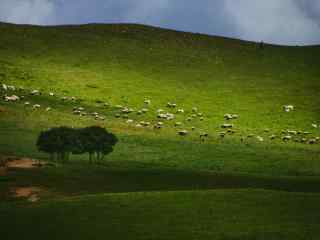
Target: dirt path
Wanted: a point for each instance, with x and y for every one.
(3, 171)
(22, 163)
(30, 193)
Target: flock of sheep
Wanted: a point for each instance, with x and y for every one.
(169, 114)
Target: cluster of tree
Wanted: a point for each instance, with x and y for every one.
(60, 142)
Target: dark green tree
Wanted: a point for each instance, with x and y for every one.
(59, 142)
(96, 141)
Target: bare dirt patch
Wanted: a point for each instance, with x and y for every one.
(3, 171)
(30, 193)
(23, 163)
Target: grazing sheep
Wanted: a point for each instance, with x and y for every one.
(11, 87)
(180, 110)
(226, 125)
(167, 116)
(147, 101)
(12, 98)
(273, 137)
(171, 105)
(106, 104)
(51, 94)
(177, 124)
(125, 110)
(312, 141)
(260, 139)
(130, 121)
(158, 125)
(193, 128)
(231, 131)
(292, 132)
(229, 116)
(288, 108)
(194, 115)
(138, 125)
(183, 132)
(286, 138)
(144, 124)
(203, 135)
(144, 110)
(160, 110)
(76, 112)
(201, 119)
(222, 134)
(139, 112)
(189, 119)
(27, 103)
(48, 109)
(35, 92)
(194, 109)
(36, 106)
(304, 140)
(314, 125)
(4, 87)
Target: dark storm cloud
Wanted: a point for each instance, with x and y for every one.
(284, 22)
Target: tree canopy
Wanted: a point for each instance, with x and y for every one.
(61, 141)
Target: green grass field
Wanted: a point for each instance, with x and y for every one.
(157, 184)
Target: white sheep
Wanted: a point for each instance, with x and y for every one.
(48, 109)
(288, 108)
(286, 138)
(11, 87)
(227, 125)
(35, 106)
(12, 98)
(4, 87)
(183, 132)
(314, 125)
(260, 139)
(147, 101)
(35, 92)
(177, 124)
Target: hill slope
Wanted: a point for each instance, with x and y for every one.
(126, 64)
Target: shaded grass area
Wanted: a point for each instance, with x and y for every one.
(215, 214)
(74, 179)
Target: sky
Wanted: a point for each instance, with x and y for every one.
(285, 22)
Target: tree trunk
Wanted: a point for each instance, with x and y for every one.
(90, 157)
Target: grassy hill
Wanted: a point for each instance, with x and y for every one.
(125, 64)
(216, 214)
